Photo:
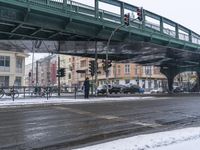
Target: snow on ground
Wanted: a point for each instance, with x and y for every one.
(8, 102)
(182, 139)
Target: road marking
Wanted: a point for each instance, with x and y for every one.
(146, 124)
(108, 117)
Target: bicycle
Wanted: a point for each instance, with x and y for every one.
(42, 91)
(9, 92)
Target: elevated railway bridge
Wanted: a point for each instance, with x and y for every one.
(78, 29)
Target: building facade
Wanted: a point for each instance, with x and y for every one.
(43, 72)
(12, 68)
(147, 77)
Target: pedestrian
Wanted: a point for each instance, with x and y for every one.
(86, 88)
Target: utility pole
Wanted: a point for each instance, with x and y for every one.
(115, 73)
(33, 51)
(58, 68)
(37, 83)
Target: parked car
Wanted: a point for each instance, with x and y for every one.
(115, 88)
(132, 89)
(157, 90)
(178, 89)
(101, 89)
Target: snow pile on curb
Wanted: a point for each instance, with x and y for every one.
(155, 141)
(34, 101)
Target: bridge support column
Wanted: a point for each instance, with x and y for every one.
(198, 81)
(170, 73)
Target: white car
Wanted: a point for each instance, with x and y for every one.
(158, 90)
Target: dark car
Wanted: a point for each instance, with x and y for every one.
(101, 89)
(178, 89)
(132, 89)
(115, 88)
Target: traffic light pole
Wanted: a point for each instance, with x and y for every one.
(96, 58)
(59, 68)
(59, 75)
(107, 49)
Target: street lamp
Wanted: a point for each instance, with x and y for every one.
(126, 22)
(106, 63)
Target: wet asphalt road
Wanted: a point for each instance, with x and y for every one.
(67, 126)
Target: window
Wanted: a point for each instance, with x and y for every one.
(83, 63)
(18, 81)
(127, 69)
(5, 61)
(136, 70)
(19, 64)
(148, 70)
(4, 81)
(69, 76)
(157, 70)
(118, 70)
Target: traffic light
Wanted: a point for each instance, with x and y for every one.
(92, 67)
(106, 65)
(29, 74)
(127, 19)
(58, 73)
(62, 72)
(140, 13)
(109, 63)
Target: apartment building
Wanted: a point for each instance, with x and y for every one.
(43, 72)
(12, 67)
(145, 76)
(121, 73)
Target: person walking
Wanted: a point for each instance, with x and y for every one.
(86, 88)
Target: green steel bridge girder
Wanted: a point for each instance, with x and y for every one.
(50, 20)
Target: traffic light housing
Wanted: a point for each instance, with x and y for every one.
(61, 72)
(127, 19)
(58, 73)
(106, 65)
(109, 63)
(92, 67)
(140, 13)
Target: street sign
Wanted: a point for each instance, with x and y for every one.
(81, 71)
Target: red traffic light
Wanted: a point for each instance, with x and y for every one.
(140, 13)
(127, 19)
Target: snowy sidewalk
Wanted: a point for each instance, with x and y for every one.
(183, 139)
(38, 101)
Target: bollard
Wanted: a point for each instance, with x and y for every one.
(75, 92)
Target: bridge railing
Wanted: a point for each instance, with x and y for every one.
(76, 7)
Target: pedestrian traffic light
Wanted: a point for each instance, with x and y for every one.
(127, 19)
(140, 13)
(92, 67)
(62, 72)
